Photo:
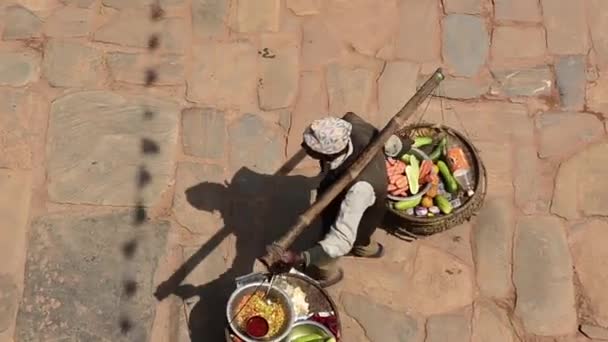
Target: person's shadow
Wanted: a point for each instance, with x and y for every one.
(258, 209)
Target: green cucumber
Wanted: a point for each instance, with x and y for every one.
(407, 204)
(406, 158)
(450, 183)
(444, 205)
(422, 141)
(412, 172)
(438, 151)
(309, 338)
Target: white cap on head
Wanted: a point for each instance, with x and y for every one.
(329, 135)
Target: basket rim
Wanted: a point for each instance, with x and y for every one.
(480, 183)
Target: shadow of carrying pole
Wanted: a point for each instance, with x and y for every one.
(169, 286)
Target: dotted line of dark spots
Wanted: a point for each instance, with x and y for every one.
(266, 53)
(156, 12)
(149, 146)
(148, 115)
(130, 288)
(129, 248)
(143, 177)
(153, 42)
(125, 324)
(151, 77)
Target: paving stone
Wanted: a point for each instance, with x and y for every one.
(453, 326)
(542, 274)
(279, 75)
(492, 121)
(569, 186)
(204, 132)
(570, 73)
(492, 243)
(200, 197)
(284, 119)
(210, 268)
(319, 46)
(311, 104)
(462, 6)
(209, 17)
(15, 131)
(69, 22)
(19, 68)
(517, 10)
(304, 7)
(594, 332)
(562, 133)
(536, 81)
(74, 278)
(119, 4)
(9, 300)
(498, 159)
(465, 55)
(72, 64)
(352, 22)
(396, 85)
(132, 27)
(258, 15)
(439, 283)
(418, 35)
(260, 153)
(566, 26)
(526, 176)
(95, 138)
(591, 263)
(350, 90)
(134, 68)
(14, 207)
(464, 88)
(456, 242)
(225, 67)
(491, 323)
(512, 43)
(380, 322)
(598, 28)
(20, 23)
(79, 3)
(596, 99)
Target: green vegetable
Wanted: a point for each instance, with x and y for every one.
(412, 172)
(309, 338)
(444, 205)
(331, 339)
(422, 141)
(406, 158)
(438, 151)
(409, 204)
(450, 183)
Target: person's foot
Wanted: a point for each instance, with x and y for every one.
(325, 278)
(374, 250)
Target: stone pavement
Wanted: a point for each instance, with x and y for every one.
(136, 135)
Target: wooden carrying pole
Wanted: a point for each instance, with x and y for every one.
(276, 250)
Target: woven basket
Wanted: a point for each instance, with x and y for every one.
(404, 226)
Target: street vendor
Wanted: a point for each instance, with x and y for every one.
(351, 219)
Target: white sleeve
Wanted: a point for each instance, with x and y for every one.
(341, 237)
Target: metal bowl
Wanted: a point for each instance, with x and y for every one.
(275, 294)
(303, 328)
